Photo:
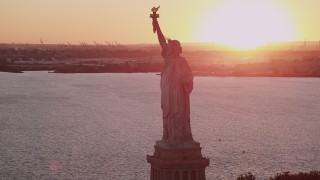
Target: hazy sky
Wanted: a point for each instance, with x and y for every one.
(127, 21)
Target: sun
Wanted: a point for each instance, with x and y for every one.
(245, 25)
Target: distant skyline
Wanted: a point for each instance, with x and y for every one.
(240, 23)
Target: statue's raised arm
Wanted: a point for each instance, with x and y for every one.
(156, 27)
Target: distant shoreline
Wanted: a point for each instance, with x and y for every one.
(143, 59)
(196, 74)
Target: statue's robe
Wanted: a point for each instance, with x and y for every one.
(176, 85)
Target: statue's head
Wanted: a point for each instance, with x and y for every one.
(174, 47)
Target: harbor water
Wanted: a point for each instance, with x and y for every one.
(102, 126)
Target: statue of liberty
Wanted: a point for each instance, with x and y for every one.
(176, 85)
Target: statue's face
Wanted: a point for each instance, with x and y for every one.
(175, 47)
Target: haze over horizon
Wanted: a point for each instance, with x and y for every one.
(240, 23)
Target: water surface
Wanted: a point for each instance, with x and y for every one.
(102, 126)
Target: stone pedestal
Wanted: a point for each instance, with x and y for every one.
(177, 162)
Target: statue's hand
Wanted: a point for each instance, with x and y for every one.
(188, 87)
(155, 25)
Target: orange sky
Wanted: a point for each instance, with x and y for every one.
(127, 21)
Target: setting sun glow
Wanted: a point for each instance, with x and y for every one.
(245, 25)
